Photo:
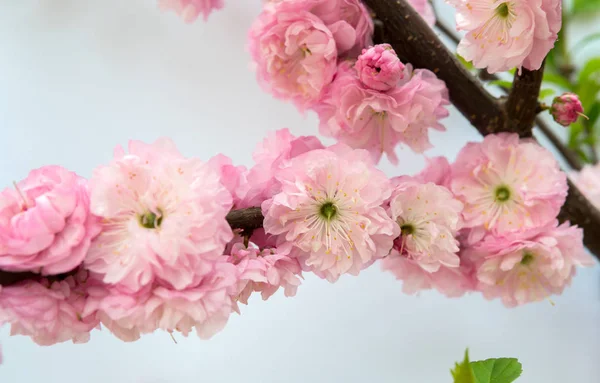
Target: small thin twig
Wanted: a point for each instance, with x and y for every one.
(447, 31)
(568, 154)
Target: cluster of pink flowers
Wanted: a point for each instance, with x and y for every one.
(487, 223)
(317, 54)
(505, 35)
(146, 245)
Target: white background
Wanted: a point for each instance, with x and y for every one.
(78, 77)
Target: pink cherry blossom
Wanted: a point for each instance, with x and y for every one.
(295, 55)
(265, 271)
(379, 67)
(508, 184)
(531, 265)
(429, 218)
(270, 155)
(424, 8)
(348, 20)
(49, 312)
(232, 177)
(450, 281)
(437, 170)
(189, 10)
(45, 223)
(378, 121)
(588, 182)
(205, 307)
(504, 35)
(163, 217)
(566, 109)
(330, 210)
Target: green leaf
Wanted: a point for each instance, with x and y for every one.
(546, 92)
(575, 131)
(591, 67)
(502, 83)
(585, 41)
(501, 370)
(586, 6)
(462, 372)
(467, 64)
(592, 113)
(557, 79)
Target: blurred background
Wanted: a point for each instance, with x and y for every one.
(79, 77)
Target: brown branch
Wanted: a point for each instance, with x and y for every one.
(522, 102)
(247, 220)
(578, 210)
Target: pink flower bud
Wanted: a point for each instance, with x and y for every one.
(566, 109)
(379, 68)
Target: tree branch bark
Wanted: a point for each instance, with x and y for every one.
(522, 102)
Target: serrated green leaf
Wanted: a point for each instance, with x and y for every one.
(546, 92)
(501, 370)
(462, 372)
(557, 79)
(585, 41)
(502, 83)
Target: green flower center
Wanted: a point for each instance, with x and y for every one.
(328, 211)
(407, 229)
(150, 220)
(502, 10)
(527, 259)
(502, 194)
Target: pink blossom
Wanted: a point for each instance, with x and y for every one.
(205, 307)
(163, 217)
(265, 271)
(379, 121)
(49, 312)
(379, 68)
(531, 265)
(508, 185)
(330, 210)
(270, 155)
(348, 20)
(429, 218)
(425, 10)
(504, 35)
(45, 224)
(566, 109)
(295, 54)
(189, 10)
(437, 170)
(450, 281)
(232, 177)
(588, 182)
